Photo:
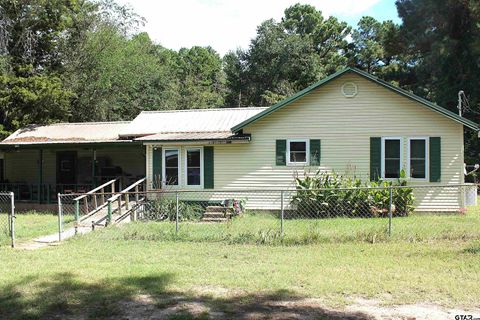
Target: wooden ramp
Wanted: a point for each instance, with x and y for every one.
(118, 209)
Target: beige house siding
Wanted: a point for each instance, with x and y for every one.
(344, 126)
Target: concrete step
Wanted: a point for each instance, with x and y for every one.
(214, 219)
(215, 209)
(214, 215)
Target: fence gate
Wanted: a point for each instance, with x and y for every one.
(7, 219)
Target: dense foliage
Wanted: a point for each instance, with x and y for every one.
(331, 195)
(84, 60)
(165, 209)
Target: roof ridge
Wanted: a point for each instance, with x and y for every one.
(181, 132)
(203, 110)
(87, 123)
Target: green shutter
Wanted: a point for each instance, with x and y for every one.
(375, 158)
(435, 159)
(208, 168)
(157, 168)
(281, 153)
(315, 152)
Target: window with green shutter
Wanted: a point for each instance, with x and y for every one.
(417, 158)
(391, 158)
(435, 159)
(157, 168)
(208, 169)
(315, 152)
(375, 158)
(281, 152)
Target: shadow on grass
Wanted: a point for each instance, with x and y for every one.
(64, 296)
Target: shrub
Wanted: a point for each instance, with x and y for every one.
(166, 209)
(330, 195)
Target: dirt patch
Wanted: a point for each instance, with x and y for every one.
(205, 309)
(419, 311)
(273, 307)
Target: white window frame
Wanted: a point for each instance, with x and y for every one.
(427, 159)
(382, 168)
(307, 150)
(164, 167)
(186, 167)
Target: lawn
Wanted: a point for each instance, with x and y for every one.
(243, 265)
(30, 225)
(264, 228)
(82, 278)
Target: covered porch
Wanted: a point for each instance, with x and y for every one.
(36, 173)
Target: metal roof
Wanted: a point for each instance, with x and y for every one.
(87, 132)
(192, 121)
(468, 123)
(184, 136)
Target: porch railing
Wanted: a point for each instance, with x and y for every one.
(42, 193)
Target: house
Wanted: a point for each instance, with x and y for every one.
(350, 122)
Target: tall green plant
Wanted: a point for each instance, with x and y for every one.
(328, 194)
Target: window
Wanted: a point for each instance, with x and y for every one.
(297, 152)
(417, 158)
(170, 159)
(194, 167)
(391, 158)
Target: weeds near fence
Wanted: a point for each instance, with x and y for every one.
(263, 229)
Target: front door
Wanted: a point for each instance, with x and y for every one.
(66, 167)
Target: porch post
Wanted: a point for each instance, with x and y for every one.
(94, 159)
(40, 175)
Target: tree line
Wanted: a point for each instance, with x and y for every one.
(85, 60)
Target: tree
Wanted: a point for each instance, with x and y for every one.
(235, 82)
(444, 36)
(31, 36)
(200, 78)
(287, 56)
(33, 99)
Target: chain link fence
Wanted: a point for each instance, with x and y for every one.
(412, 213)
(7, 219)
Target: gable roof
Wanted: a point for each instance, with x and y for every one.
(300, 94)
(192, 121)
(85, 132)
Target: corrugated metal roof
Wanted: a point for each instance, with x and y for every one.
(194, 124)
(68, 133)
(193, 121)
(178, 136)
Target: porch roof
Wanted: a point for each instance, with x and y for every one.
(68, 133)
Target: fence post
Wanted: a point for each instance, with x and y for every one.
(59, 217)
(176, 214)
(12, 212)
(77, 215)
(390, 213)
(109, 213)
(282, 213)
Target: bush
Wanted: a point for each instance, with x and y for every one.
(166, 209)
(330, 195)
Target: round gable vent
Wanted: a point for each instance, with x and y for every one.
(349, 89)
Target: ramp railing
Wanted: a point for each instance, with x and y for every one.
(123, 200)
(93, 201)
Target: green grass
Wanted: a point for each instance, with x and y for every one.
(30, 225)
(265, 229)
(93, 279)
(242, 264)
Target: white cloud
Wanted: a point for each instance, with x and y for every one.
(225, 25)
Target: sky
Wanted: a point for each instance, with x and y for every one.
(229, 24)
